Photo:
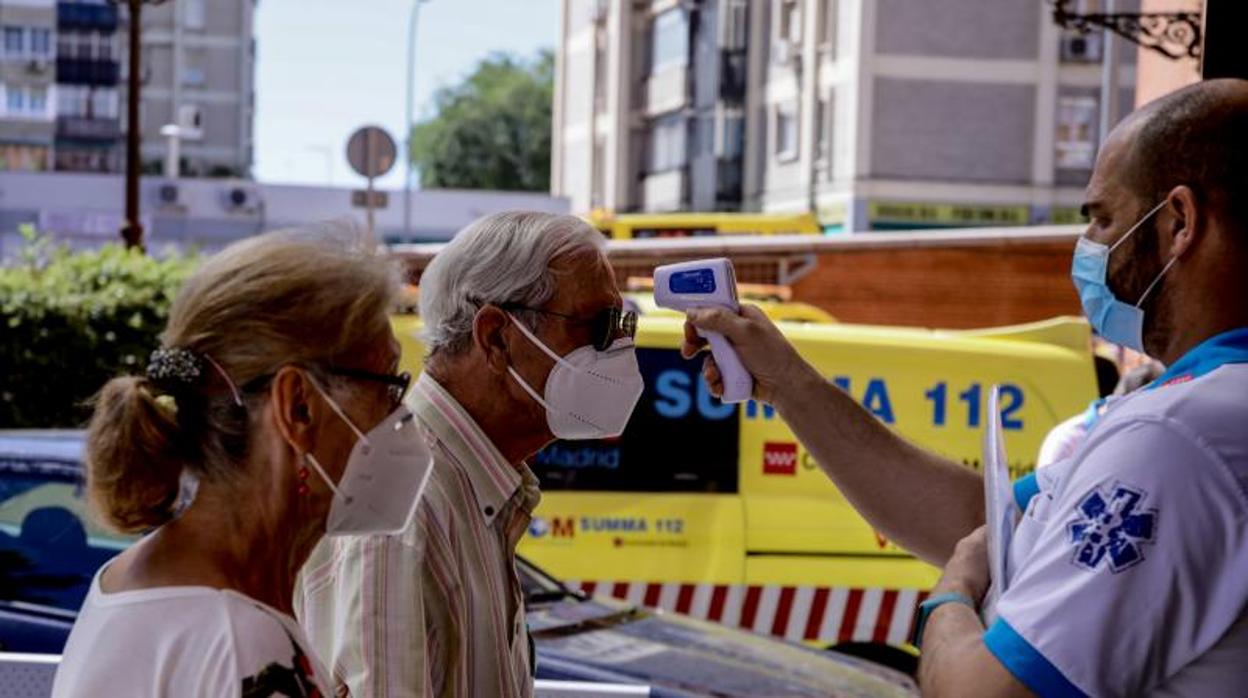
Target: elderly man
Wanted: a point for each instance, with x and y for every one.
(527, 342)
(1129, 563)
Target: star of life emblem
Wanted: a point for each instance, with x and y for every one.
(1111, 528)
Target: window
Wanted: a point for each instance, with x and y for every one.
(40, 42)
(66, 43)
(193, 71)
(104, 103)
(669, 40)
(786, 131)
(14, 41)
(823, 124)
(669, 147)
(790, 21)
(193, 14)
(675, 401)
(732, 135)
(50, 544)
(34, 158)
(85, 47)
(827, 26)
(37, 101)
(106, 47)
(16, 101)
(70, 101)
(1075, 140)
(25, 102)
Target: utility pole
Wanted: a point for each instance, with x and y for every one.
(132, 227)
(1109, 80)
(407, 120)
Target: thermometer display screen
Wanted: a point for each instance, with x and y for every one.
(693, 281)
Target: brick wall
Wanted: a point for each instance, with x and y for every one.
(956, 287)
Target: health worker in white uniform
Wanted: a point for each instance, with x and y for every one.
(1128, 568)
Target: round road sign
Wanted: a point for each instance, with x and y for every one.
(371, 151)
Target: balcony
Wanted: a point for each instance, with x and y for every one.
(733, 68)
(86, 71)
(665, 191)
(667, 90)
(729, 184)
(83, 16)
(84, 129)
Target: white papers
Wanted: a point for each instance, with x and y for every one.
(1000, 510)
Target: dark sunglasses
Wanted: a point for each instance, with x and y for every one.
(397, 384)
(606, 326)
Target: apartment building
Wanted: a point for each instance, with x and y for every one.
(198, 67)
(876, 114)
(63, 83)
(88, 93)
(27, 84)
(650, 104)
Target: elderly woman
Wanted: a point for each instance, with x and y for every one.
(271, 414)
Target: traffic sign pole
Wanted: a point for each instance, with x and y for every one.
(371, 152)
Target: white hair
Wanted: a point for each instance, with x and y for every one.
(500, 258)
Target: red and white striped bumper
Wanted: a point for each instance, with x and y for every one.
(799, 613)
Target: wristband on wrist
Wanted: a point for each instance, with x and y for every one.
(927, 607)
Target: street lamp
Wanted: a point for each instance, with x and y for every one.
(407, 124)
(131, 227)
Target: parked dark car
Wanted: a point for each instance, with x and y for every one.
(50, 550)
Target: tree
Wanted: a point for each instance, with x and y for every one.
(492, 131)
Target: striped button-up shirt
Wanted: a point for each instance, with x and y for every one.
(436, 610)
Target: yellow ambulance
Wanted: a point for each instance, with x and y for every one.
(716, 511)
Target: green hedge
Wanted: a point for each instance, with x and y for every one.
(70, 321)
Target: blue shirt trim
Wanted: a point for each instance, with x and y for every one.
(1025, 489)
(1026, 663)
(1093, 414)
(1226, 348)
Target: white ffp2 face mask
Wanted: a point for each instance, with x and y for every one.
(589, 394)
(385, 477)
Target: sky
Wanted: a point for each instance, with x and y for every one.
(326, 67)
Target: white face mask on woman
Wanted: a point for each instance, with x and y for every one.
(589, 394)
(384, 479)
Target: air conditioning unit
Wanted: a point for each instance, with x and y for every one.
(38, 65)
(171, 195)
(240, 199)
(1082, 48)
(191, 122)
(783, 52)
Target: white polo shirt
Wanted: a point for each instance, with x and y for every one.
(1131, 559)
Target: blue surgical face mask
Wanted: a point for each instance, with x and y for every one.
(1116, 321)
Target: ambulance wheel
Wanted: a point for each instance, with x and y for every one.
(891, 657)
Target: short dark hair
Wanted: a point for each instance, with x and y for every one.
(1196, 136)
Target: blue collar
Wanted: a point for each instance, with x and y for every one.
(1226, 348)
(1093, 413)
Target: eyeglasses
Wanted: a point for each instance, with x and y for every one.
(397, 383)
(606, 326)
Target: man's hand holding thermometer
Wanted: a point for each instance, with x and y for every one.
(707, 283)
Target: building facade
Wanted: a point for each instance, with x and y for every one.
(88, 94)
(63, 77)
(199, 74)
(85, 210)
(27, 84)
(875, 114)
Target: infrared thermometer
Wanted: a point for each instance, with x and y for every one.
(707, 283)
